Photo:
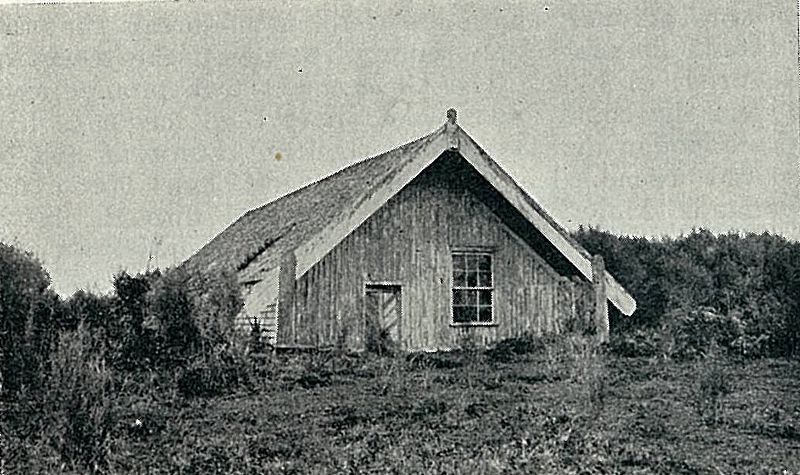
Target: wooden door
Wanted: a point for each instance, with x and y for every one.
(382, 312)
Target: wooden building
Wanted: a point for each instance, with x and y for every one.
(427, 244)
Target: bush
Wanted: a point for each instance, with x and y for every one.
(505, 350)
(221, 369)
(77, 402)
(700, 333)
(217, 301)
(131, 344)
(95, 311)
(219, 361)
(753, 346)
(29, 318)
(636, 343)
(174, 332)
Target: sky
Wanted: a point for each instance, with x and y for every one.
(137, 130)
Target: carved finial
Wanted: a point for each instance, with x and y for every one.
(452, 129)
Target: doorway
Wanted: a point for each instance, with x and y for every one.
(382, 314)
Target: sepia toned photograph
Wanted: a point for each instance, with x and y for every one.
(401, 237)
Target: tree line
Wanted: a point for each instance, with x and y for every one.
(160, 318)
(751, 280)
(148, 321)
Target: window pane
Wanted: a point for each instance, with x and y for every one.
(460, 297)
(485, 279)
(472, 262)
(485, 262)
(472, 279)
(471, 297)
(485, 297)
(458, 314)
(459, 278)
(458, 261)
(485, 314)
(464, 314)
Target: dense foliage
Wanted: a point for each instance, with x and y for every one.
(753, 279)
(61, 358)
(30, 318)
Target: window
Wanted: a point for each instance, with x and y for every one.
(473, 285)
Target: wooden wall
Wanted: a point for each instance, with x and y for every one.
(409, 242)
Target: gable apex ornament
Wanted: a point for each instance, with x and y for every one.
(452, 128)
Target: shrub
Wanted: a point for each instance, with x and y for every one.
(505, 350)
(95, 311)
(700, 333)
(77, 402)
(755, 275)
(130, 343)
(636, 343)
(220, 369)
(218, 360)
(216, 300)
(173, 330)
(29, 313)
(753, 346)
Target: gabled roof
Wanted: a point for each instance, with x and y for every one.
(314, 219)
(254, 243)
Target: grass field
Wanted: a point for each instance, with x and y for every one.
(549, 412)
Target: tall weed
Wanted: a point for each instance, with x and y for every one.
(713, 384)
(580, 362)
(77, 402)
(221, 368)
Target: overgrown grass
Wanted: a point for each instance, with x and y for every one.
(713, 383)
(560, 406)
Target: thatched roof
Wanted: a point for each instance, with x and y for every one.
(254, 243)
(313, 219)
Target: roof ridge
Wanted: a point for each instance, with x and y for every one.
(275, 204)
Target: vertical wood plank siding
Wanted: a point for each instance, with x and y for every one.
(266, 320)
(408, 242)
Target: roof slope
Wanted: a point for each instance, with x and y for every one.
(315, 218)
(255, 242)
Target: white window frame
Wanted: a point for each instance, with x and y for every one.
(472, 252)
